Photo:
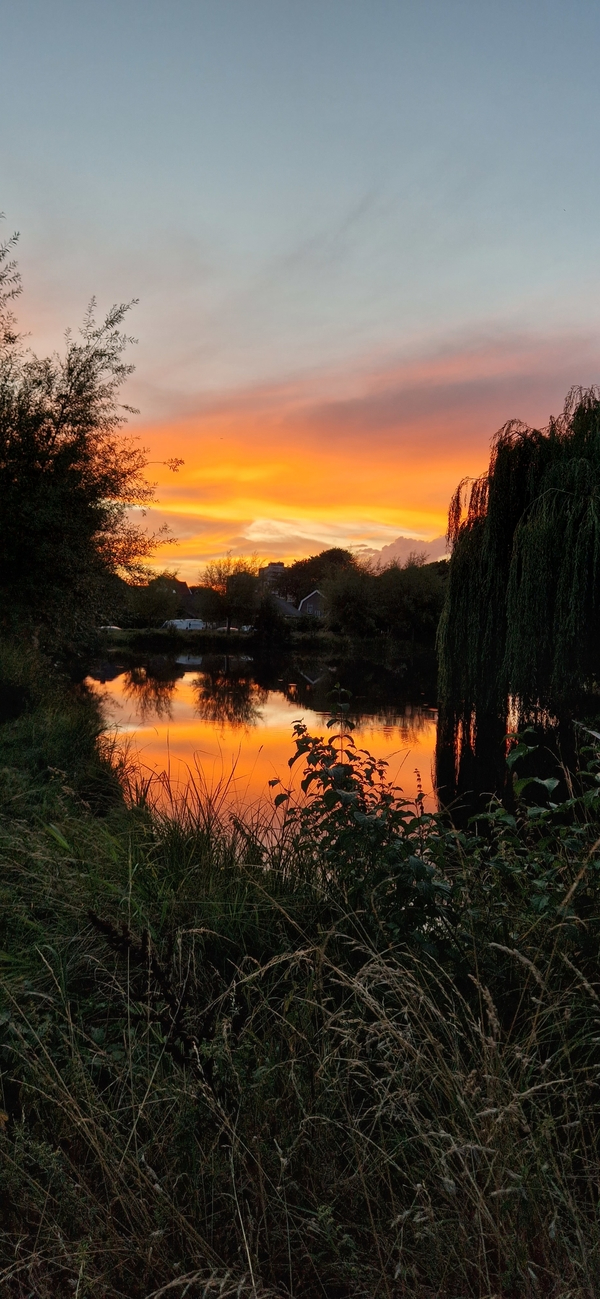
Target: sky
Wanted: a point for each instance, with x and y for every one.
(362, 235)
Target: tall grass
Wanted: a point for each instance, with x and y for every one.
(220, 1079)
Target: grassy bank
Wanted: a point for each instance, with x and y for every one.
(342, 1051)
(167, 639)
(310, 636)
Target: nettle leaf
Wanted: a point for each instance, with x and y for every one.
(549, 784)
(519, 752)
(281, 798)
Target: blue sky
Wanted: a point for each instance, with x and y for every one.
(302, 191)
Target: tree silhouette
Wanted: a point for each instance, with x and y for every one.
(68, 475)
(522, 612)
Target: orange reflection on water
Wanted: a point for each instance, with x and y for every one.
(187, 733)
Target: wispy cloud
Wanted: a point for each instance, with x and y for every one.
(358, 455)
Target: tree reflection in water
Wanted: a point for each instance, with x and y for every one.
(472, 746)
(151, 687)
(470, 762)
(378, 698)
(231, 690)
(226, 693)
(410, 723)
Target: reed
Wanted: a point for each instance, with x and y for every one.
(221, 1078)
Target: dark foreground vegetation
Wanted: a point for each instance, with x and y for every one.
(340, 1049)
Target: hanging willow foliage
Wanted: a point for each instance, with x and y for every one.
(522, 612)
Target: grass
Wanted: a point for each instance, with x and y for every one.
(166, 639)
(229, 1069)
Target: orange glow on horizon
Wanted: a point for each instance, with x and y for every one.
(352, 460)
(238, 492)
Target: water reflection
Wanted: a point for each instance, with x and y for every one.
(226, 693)
(471, 752)
(470, 762)
(232, 688)
(234, 714)
(151, 686)
(235, 711)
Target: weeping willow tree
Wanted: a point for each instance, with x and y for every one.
(522, 611)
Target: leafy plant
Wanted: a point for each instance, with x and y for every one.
(356, 833)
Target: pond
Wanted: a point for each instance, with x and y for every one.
(226, 721)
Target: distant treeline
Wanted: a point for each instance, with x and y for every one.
(404, 602)
(401, 602)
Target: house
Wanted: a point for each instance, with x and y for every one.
(313, 605)
(182, 590)
(285, 607)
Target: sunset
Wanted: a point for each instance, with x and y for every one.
(354, 261)
(350, 459)
(299, 649)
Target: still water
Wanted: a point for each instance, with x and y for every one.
(229, 719)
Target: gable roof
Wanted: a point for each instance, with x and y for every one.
(309, 597)
(285, 607)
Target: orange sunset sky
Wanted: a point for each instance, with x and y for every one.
(360, 236)
(351, 458)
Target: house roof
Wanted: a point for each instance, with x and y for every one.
(309, 597)
(285, 607)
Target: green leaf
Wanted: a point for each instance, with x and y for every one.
(60, 839)
(519, 752)
(549, 784)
